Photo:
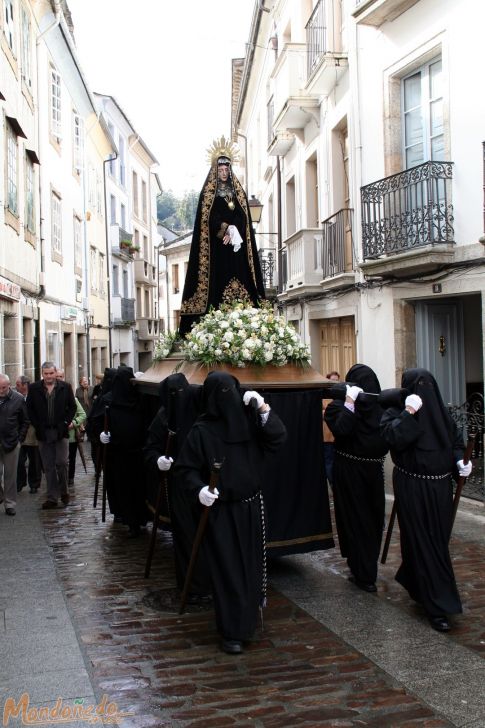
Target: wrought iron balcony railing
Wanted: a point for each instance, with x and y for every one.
(316, 37)
(408, 210)
(267, 259)
(336, 250)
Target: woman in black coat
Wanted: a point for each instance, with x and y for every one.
(358, 477)
(426, 448)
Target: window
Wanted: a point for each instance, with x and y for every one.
(29, 195)
(121, 152)
(116, 282)
(9, 24)
(123, 216)
(12, 170)
(53, 346)
(78, 143)
(125, 284)
(111, 130)
(423, 123)
(99, 195)
(145, 247)
(175, 278)
(144, 200)
(92, 189)
(112, 206)
(78, 251)
(135, 193)
(26, 48)
(55, 103)
(92, 268)
(56, 223)
(101, 275)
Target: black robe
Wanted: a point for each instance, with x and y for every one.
(216, 274)
(233, 542)
(425, 444)
(125, 483)
(358, 487)
(180, 408)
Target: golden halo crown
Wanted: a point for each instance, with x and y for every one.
(222, 148)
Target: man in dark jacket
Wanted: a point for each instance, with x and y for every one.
(13, 428)
(51, 407)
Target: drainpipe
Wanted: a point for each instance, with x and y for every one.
(245, 160)
(278, 222)
(111, 158)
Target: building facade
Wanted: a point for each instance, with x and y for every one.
(361, 143)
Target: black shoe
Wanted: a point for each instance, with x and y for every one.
(440, 624)
(199, 599)
(10, 511)
(48, 504)
(134, 532)
(33, 490)
(364, 585)
(232, 647)
(65, 498)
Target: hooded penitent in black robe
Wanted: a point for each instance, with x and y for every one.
(425, 448)
(180, 407)
(95, 418)
(358, 476)
(216, 274)
(124, 457)
(230, 432)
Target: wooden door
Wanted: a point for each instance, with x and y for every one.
(337, 345)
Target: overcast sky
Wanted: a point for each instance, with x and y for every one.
(168, 64)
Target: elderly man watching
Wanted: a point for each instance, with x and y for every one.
(14, 423)
(29, 450)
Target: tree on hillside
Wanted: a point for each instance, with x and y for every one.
(187, 209)
(167, 205)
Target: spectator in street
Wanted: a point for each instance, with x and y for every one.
(236, 430)
(14, 423)
(359, 475)
(84, 394)
(51, 407)
(76, 433)
(426, 448)
(328, 438)
(29, 449)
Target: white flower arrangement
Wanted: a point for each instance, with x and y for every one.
(164, 345)
(240, 335)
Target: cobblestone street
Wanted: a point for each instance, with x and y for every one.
(329, 654)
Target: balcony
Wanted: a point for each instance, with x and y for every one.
(335, 254)
(267, 260)
(148, 329)
(326, 62)
(293, 108)
(121, 242)
(407, 220)
(145, 273)
(123, 311)
(377, 12)
(302, 270)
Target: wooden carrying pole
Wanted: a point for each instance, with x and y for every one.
(103, 502)
(214, 479)
(162, 491)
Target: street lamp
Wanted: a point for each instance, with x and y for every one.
(255, 209)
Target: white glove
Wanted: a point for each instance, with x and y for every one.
(236, 239)
(248, 396)
(353, 392)
(164, 463)
(414, 401)
(464, 470)
(206, 497)
(105, 437)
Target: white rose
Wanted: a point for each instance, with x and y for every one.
(223, 324)
(228, 336)
(226, 344)
(246, 354)
(218, 352)
(264, 330)
(268, 355)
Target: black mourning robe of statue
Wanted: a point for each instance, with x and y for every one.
(216, 274)
(180, 407)
(423, 445)
(125, 483)
(359, 483)
(96, 415)
(229, 431)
